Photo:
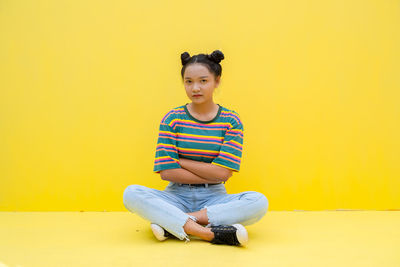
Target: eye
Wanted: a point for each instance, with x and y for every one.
(204, 80)
(187, 81)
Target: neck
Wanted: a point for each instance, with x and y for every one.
(202, 108)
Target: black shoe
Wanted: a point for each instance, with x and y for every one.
(234, 234)
(159, 232)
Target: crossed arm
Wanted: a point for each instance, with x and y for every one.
(196, 172)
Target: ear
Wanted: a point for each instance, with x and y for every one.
(217, 81)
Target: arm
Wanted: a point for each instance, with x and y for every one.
(205, 170)
(181, 175)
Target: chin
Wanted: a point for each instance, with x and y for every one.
(198, 101)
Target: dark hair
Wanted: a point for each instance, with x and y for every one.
(211, 61)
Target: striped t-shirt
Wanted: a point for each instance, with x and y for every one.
(218, 141)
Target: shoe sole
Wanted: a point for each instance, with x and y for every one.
(241, 234)
(158, 231)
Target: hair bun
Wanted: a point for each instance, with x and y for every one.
(216, 56)
(185, 57)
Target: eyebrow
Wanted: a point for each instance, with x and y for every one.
(200, 77)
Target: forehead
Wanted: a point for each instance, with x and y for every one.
(196, 70)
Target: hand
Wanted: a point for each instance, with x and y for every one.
(181, 160)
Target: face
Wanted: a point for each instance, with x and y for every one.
(198, 80)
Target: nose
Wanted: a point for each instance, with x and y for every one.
(196, 87)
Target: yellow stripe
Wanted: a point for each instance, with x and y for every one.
(167, 132)
(196, 135)
(232, 155)
(233, 141)
(165, 144)
(164, 157)
(224, 166)
(201, 150)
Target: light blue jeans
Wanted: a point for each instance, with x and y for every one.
(169, 207)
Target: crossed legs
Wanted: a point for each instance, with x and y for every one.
(195, 228)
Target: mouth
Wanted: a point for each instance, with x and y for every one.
(196, 95)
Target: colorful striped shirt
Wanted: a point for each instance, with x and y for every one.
(218, 141)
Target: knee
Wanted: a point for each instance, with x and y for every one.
(261, 202)
(131, 192)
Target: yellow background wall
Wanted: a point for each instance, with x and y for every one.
(84, 85)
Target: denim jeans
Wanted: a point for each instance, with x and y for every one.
(169, 207)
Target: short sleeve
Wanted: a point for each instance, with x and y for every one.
(166, 156)
(230, 153)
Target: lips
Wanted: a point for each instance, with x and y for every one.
(196, 95)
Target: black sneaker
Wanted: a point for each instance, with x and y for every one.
(234, 234)
(159, 232)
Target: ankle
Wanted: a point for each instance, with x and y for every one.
(208, 235)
